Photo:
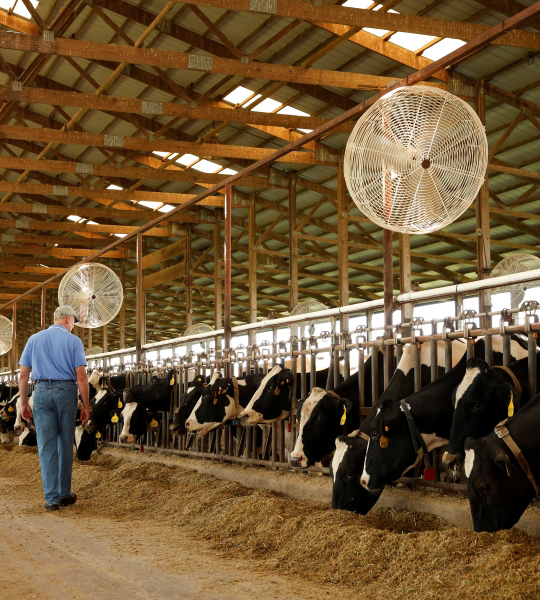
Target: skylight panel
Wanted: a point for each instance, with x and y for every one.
(120, 235)
(238, 95)
(150, 203)
(114, 187)
(359, 4)
(228, 171)
(74, 218)
(92, 223)
(289, 110)
(20, 9)
(206, 166)
(167, 155)
(267, 105)
(166, 208)
(306, 130)
(411, 41)
(442, 48)
(256, 97)
(187, 159)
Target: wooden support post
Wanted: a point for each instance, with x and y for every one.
(123, 308)
(82, 334)
(90, 338)
(14, 341)
(405, 282)
(343, 252)
(218, 274)
(252, 274)
(227, 254)
(483, 239)
(293, 245)
(139, 312)
(43, 323)
(388, 300)
(105, 338)
(188, 278)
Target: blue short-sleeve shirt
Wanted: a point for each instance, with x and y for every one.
(53, 353)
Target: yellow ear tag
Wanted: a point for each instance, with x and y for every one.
(384, 441)
(276, 393)
(154, 423)
(171, 382)
(511, 405)
(98, 435)
(10, 408)
(114, 419)
(386, 427)
(344, 416)
(119, 403)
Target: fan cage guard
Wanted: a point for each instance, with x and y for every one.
(416, 159)
(6, 335)
(307, 306)
(515, 263)
(198, 328)
(95, 293)
(93, 350)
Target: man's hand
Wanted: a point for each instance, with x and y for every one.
(26, 412)
(85, 415)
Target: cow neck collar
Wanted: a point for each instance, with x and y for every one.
(416, 436)
(510, 374)
(503, 433)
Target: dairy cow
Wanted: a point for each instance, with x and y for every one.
(6, 430)
(498, 488)
(399, 429)
(7, 392)
(222, 400)
(116, 382)
(187, 402)
(20, 423)
(322, 416)
(28, 437)
(142, 403)
(484, 398)
(9, 409)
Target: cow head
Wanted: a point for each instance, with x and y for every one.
(85, 441)
(187, 403)
(499, 491)
(136, 421)
(6, 430)
(272, 400)
(215, 406)
(483, 398)
(390, 452)
(105, 403)
(28, 437)
(346, 471)
(95, 379)
(9, 411)
(322, 417)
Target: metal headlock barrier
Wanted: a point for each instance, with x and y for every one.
(295, 342)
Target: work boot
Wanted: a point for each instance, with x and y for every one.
(51, 506)
(71, 499)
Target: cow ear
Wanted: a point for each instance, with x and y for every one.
(503, 462)
(344, 404)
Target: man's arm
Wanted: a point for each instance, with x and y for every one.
(82, 382)
(26, 412)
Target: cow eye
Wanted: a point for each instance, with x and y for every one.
(477, 406)
(271, 387)
(350, 475)
(485, 488)
(320, 417)
(374, 435)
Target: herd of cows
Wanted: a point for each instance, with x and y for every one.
(468, 408)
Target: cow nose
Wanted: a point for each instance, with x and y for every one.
(295, 462)
(364, 482)
(188, 424)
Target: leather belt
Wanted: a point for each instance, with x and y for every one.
(54, 380)
(514, 379)
(503, 433)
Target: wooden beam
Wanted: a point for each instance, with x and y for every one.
(110, 141)
(35, 250)
(164, 276)
(209, 112)
(170, 251)
(18, 24)
(217, 65)
(25, 223)
(356, 17)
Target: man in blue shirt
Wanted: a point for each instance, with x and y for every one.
(58, 364)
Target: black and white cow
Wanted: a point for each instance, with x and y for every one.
(346, 470)
(484, 398)
(116, 382)
(7, 392)
(390, 451)
(187, 402)
(20, 423)
(217, 403)
(321, 414)
(9, 410)
(498, 489)
(6, 430)
(142, 403)
(28, 437)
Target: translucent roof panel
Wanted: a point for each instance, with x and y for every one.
(20, 9)
(206, 166)
(267, 105)
(238, 95)
(411, 41)
(187, 159)
(442, 48)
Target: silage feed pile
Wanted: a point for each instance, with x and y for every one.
(392, 554)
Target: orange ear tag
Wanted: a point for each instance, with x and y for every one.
(215, 397)
(384, 441)
(386, 428)
(10, 408)
(276, 393)
(154, 423)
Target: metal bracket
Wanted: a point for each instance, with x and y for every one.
(468, 316)
(200, 62)
(59, 190)
(48, 35)
(113, 140)
(151, 108)
(265, 6)
(86, 168)
(17, 86)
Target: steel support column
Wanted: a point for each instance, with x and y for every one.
(139, 305)
(227, 254)
(343, 255)
(14, 341)
(123, 307)
(405, 277)
(252, 272)
(43, 323)
(188, 279)
(218, 274)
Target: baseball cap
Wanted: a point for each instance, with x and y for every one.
(65, 311)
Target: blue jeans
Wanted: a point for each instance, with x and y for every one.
(55, 411)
